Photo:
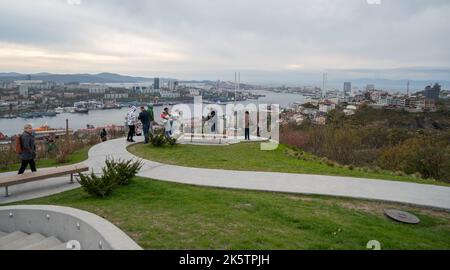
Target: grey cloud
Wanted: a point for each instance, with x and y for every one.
(251, 34)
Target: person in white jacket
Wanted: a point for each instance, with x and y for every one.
(131, 122)
(166, 120)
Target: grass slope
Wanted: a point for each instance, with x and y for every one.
(161, 215)
(249, 157)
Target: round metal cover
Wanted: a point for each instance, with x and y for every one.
(402, 216)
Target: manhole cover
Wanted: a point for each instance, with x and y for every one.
(402, 216)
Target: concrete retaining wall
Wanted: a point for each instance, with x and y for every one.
(67, 224)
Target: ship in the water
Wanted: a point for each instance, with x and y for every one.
(46, 130)
(37, 114)
(81, 107)
(59, 110)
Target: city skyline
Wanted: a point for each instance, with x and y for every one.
(274, 41)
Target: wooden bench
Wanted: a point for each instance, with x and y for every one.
(42, 175)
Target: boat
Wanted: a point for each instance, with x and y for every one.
(49, 114)
(59, 110)
(46, 130)
(95, 105)
(80, 107)
(111, 106)
(8, 116)
(37, 114)
(30, 115)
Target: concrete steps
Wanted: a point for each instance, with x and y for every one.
(45, 244)
(22, 241)
(59, 247)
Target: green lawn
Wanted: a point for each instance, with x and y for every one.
(160, 215)
(249, 157)
(76, 157)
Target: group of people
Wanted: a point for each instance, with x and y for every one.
(140, 123)
(211, 118)
(143, 122)
(137, 123)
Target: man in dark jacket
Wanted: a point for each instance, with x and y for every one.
(28, 153)
(144, 117)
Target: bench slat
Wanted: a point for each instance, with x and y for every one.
(42, 174)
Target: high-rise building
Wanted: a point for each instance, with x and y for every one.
(370, 87)
(407, 88)
(347, 88)
(324, 85)
(172, 85)
(433, 92)
(156, 84)
(23, 90)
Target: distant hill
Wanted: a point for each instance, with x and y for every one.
(81, 78)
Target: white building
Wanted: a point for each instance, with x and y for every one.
(116, 95)
(34, 84)
(27, 102)
(23, 90)
(169, 94)
(97, 89)
(194, 92)
(150, 90)
(384, 100)
(326, 106)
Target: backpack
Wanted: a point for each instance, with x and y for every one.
(19, 148)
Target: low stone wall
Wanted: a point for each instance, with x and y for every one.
(66, 224)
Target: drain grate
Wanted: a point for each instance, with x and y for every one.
(401, 216)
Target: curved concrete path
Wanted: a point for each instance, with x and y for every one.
(391, 191)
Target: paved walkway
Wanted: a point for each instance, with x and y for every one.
(392, 191)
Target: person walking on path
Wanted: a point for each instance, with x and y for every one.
(131, 122)
(247, 126)
(28, 149)
(104, 135)
(144, 117)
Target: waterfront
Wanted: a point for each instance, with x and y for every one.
(10, 127)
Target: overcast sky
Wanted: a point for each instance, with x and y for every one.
(210, 39)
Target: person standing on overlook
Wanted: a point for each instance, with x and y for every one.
(151, 117)
(144, 117)
(166, 120)
(247, 126)
(131, 122)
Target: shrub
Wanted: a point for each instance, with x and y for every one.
(293, 137)
(158, 140)
(8, 157)
(171, 141)
(123, 171)
(115, 173)
(330, 163)
(64, 148)
(98, 186)
(426, 156)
